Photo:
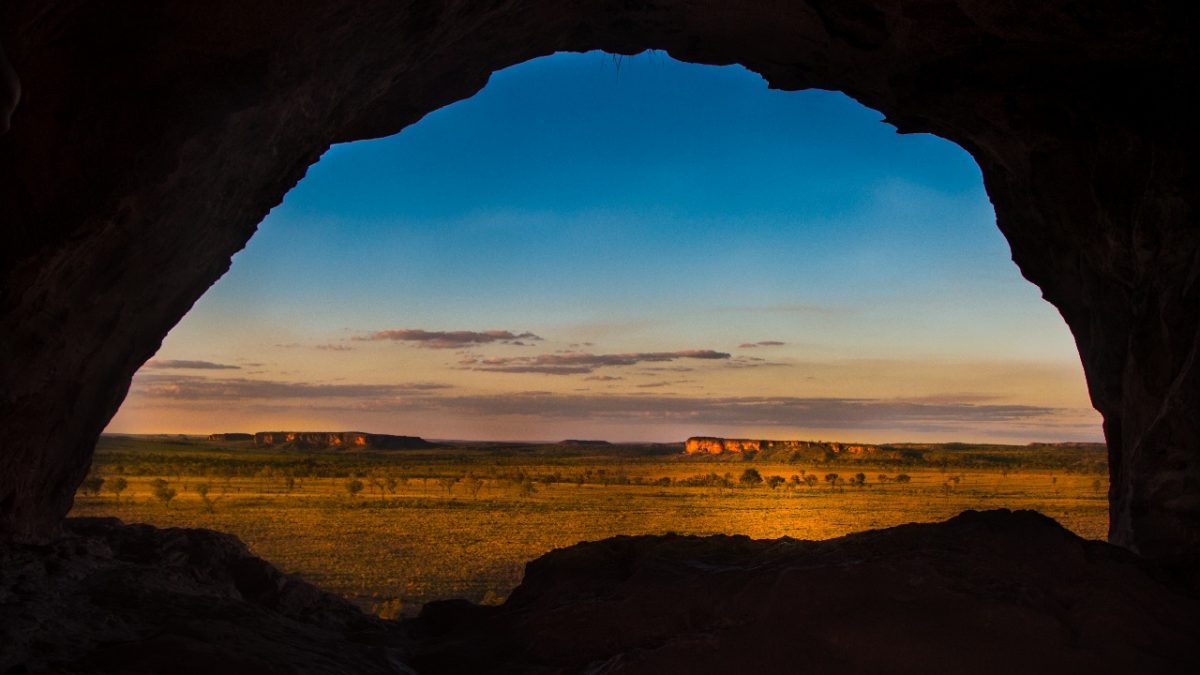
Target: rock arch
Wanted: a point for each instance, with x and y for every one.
(151, 139)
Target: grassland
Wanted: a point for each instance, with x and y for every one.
(461, 521)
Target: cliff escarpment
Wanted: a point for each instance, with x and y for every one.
(811, 451)
(338, 440)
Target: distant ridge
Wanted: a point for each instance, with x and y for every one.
(576, 441)
(813, 450)
(339, 440)
(231, 437)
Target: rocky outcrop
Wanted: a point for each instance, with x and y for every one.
(994, 592)
(151, 138)
(808, 450)
(113, 598)
(339, 440)
(983, 593)
(230, 437)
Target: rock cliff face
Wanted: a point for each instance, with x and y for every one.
(230, 437)
(810, 450)
(113, 598)
(339, 440)
(151, 138)
(981, 594)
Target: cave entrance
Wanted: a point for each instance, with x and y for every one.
(594, 247)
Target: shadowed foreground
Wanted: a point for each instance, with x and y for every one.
(990, 592)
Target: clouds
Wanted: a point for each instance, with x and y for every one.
(576, 363)
(762, 343)
(641, 407)
(192, 388)
(178, 364)
(449, 339)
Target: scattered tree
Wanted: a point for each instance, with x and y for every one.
(903, 478)
(380, 484)
(117, 486)
(91, 485)
(473, 485)
(448, 482)
(774, 482)
(526, 488)
(202, 489)
(810, 480)
(832, 479)
(859, 479)
(751, 478)
(354, 486)
(163, 492)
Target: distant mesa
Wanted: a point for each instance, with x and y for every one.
(809, 450)
(338, 440)
(231, 437)
(576, 441)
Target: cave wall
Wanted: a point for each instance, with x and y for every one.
(152, 138)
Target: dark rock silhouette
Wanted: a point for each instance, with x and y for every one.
(113, 598)
(148, 140)
(151, 139)
(993, 592)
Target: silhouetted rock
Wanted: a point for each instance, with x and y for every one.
(992, 592)
(114, 598)
(150, 139)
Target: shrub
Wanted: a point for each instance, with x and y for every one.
(117, 486)
(202, 489)
(751, 478)
(774, 481)
(163, 492)
(903, 478)
(354, 486)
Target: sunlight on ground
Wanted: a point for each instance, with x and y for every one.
(392, 548)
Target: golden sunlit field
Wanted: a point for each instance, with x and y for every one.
(395, 530)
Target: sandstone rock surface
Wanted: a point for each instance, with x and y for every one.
(339, 440)
(811, 450)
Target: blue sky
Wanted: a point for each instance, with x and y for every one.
(631, 206)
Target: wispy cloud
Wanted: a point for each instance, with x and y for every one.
(334, 347)
(761, 343)
(192, 388)
(574, 363)
(640, 408)
(449, 339)
(176, 364)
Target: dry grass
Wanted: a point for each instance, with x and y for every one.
(419, 543)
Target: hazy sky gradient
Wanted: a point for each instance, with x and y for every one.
(587, 250)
